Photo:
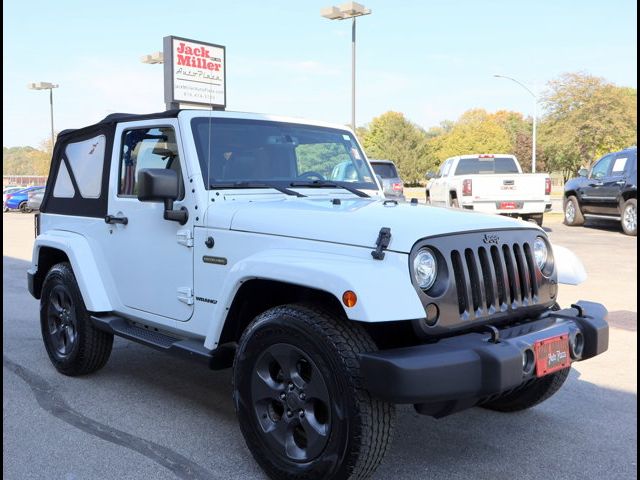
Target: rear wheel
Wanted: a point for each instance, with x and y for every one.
(299, 398)
(536, 391)
(537, 219)
(572, 214)
(24, 208)
(629, 218)
(74, 345)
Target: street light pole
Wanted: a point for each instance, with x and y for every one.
(51, 109)
(353, 74)
(349, 10)
(535, 120)
(46, 86)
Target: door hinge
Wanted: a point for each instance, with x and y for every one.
(185, 295)
(185, 237)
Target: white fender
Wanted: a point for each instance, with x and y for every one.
(83, 263)
(383, 288)
(570, 269)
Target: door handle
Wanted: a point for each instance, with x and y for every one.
(113, 219)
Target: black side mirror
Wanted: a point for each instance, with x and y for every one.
(583, 172)
(161, 185)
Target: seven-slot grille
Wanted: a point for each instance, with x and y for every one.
(494, 278)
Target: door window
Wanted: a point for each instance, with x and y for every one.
(601, 168)
(147, 148)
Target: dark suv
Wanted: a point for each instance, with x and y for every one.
(608, 190)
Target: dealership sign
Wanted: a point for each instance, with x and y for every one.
(194, 73)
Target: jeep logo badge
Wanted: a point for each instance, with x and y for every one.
(491, 238)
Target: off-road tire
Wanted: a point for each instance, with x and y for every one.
(360, 426)
(533, 393)
(575, 217)
(630, 207)
(87, 348)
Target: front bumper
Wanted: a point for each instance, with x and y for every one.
(458, 372)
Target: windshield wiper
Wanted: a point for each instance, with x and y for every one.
(244, 184)
(325, 184)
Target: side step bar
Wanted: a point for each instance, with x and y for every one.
(603, 217)
(218, 359)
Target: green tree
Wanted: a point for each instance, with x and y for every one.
(392, 137)
(585, 118)
(476, 131)
(25, 161)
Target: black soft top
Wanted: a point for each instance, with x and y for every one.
(119, 117)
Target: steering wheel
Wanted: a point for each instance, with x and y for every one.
(310, 174)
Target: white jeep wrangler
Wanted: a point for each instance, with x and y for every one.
(262, 244)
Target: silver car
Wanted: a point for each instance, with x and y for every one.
(34, 200)
(387, 172)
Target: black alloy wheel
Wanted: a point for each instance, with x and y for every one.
(62, 321)
(291, 401)
(74, 345)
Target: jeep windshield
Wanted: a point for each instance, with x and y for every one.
(242, 153)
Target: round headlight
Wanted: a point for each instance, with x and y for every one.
(425, 268)
(540, 252)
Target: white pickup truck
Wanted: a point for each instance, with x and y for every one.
(490, 183)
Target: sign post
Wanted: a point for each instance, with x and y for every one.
(194, 74)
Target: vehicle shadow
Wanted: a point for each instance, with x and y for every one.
(595, 224)
(584, 431)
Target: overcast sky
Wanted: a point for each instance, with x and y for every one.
(430, 59)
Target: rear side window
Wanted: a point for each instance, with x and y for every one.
(86, 161)
(620, 164)
(489, 165)
(385, 170)
(147, 148)
(63, 187)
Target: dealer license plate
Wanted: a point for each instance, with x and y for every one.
(552, 354)
(508, 205)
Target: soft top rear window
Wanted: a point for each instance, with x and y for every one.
(486, 165)
(385, 170)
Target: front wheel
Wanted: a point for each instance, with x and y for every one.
(629, 218)
(531, 394)
(299, 398)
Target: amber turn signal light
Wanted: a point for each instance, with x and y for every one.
(349, 298)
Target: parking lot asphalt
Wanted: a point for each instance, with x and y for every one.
(151, 416)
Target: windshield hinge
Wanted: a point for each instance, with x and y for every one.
(185, 237)
(384, 237)
(185, 295)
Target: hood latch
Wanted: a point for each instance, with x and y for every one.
(384, 237)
